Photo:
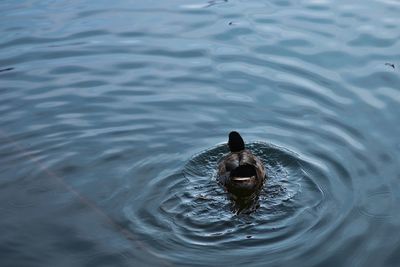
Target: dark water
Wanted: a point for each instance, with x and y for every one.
(113, 115)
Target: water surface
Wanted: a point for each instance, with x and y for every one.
(115, 114)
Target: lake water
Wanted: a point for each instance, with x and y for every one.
(114, 114)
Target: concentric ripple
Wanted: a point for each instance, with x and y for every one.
(195, 214)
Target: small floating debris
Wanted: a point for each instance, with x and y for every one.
(390, 65)
(215, 2)
(7, 69)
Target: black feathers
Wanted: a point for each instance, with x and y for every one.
(245, 170)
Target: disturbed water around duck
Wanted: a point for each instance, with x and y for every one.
(115, 116)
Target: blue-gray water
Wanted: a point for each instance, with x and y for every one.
(114, 113)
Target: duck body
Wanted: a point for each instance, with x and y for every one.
(240, 171)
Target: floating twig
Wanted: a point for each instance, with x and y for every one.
(215, 2)
(390, 65)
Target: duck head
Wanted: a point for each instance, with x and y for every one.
(235, 142)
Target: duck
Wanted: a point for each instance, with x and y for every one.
(240, 171)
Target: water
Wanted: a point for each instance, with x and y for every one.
(113, 116)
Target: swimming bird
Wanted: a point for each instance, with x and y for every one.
(240, 171)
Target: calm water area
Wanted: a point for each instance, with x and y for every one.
(115, 113)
